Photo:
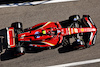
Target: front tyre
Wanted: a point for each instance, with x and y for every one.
(19, 51)
(17, 25)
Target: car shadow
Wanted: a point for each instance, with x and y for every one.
(35, 50)
(8, 54)
(68, 48)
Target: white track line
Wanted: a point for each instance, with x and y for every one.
(56, 1)
(77, 63)
(34, 3)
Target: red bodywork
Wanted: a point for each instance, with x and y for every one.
(48, 34)
(45, 35)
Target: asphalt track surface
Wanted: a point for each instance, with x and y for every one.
(31, 15)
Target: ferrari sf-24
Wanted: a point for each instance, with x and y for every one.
(52, 34)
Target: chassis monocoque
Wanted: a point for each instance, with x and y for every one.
(52, 34)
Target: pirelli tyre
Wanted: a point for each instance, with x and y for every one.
(19, 51)
(74, 18)
(17, 25)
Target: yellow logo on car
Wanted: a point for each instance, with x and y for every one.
(44, 32)
(82, 30)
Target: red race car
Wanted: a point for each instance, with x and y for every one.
(52, 34)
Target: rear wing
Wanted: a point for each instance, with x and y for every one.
(10, 37)
(89, 23)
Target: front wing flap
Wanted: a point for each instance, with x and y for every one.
(10, 37)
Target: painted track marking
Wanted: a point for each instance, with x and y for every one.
(34, 3)
(77, 63)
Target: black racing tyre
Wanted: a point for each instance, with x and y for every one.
(78, 44)
(19, 51)
(74, 18)
(17, 25)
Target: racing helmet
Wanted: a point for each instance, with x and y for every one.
(74, 18)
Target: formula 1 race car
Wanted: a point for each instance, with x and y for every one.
(52, 34)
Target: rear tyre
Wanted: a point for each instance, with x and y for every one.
(78, 44)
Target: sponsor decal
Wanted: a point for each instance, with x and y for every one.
(44, 32)
(62, 30)
(22, 36)
(82, 30)
(46, 24)
(49, 43)
(72, 31)
(69, 29)
(75, 30)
